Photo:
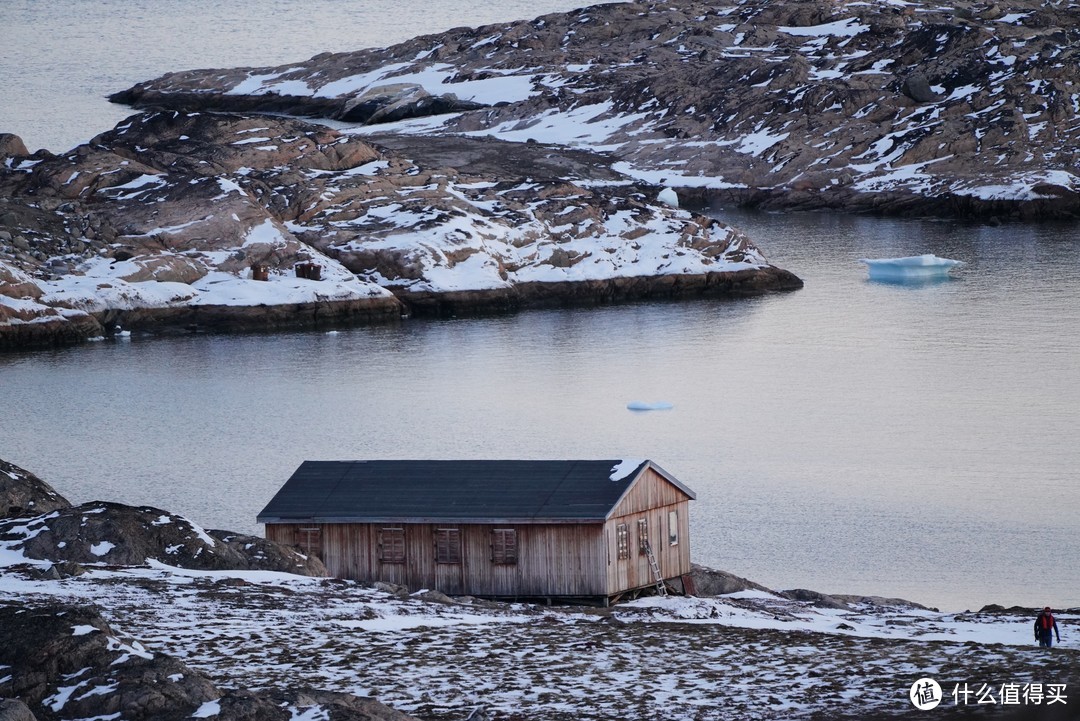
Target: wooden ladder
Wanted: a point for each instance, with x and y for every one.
(661, 587)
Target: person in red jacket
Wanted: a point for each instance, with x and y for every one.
(1045, 627)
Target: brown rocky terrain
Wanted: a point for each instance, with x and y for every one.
(459, 659)
(968, 109)
(197, 221)
(64, 661)
(24, 494)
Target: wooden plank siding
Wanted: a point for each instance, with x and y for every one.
(652, 498)
(650, 491)
(635, 571)
(553, 559)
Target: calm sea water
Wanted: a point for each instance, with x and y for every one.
(919, 441)
(59, 59)
(852, 437)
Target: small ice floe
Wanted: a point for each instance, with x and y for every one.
(331, 332)
(119, 332)
(913, 267)
(668, 196)
(643, 406)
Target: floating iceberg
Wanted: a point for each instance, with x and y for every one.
(643, 406)
(913, 267)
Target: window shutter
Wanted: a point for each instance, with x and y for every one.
(447, 545)
(504, 546)
(392, 545)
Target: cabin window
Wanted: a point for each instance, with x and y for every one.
(310, 540)
(504, 546)
(392, 545)
(447, 545)
(643, 535)
(622, 541)
(673, 528)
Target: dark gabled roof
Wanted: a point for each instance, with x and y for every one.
(458, 491)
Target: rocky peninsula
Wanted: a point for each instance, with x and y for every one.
(210, 221)
(968, 109)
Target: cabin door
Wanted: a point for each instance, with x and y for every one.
(449, 561)
(309, 538)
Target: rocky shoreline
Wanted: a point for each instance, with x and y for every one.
(519, 165)
(180, 222)
(136, 612)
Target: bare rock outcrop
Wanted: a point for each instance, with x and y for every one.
(42, 525)
(964, 109)
(117, 534)
(66, 662)
(11, 147)
(711, 582)
(24, 494)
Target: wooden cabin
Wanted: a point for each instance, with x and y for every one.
(498, 529)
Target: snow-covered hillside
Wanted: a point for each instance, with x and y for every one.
(969, 108)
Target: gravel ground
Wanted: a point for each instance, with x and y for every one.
(747, 656)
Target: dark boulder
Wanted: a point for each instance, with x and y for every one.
(917, 87)
(24, 494)
(814, 598)
(58, 655)
(266, 555)
(12, 146)
(710, 582)
(12, 709)
(112, 533)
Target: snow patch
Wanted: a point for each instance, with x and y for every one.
(208, 709)
(838, 28)
(100, 549)
(624, 468)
